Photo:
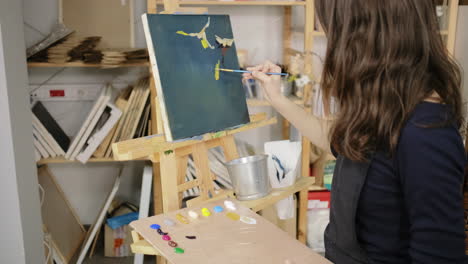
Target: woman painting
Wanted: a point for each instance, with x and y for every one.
(397, 187)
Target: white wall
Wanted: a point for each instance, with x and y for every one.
(21, 225)
(461, 44)
(257, 29)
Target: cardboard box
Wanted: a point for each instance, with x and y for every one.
(117, 242)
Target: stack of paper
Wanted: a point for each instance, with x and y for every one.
(136, 106)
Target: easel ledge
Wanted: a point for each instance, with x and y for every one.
(148, 146)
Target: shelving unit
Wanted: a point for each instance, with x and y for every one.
(85, 65)
(240, 3)
(259, 102)
(61, 160)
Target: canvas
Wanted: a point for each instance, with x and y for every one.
(185, 51)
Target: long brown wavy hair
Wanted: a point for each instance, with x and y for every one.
(383, 58)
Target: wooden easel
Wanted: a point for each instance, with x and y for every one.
(170, 159)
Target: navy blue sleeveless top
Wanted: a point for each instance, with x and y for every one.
(411, 206)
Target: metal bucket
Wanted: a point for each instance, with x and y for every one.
(249, 176)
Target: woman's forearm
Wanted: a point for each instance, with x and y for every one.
(310, 126)
(315, 129)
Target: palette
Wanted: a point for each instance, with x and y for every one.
(223, 239)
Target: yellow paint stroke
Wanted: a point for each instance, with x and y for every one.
(225, 42)
(205, 43)
(200, 35)
(182, 219)
(233, 216)
(216, 75)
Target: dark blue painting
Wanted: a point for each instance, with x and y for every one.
(186, 51)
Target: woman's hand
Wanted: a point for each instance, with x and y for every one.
(271, 84)
(310, 126)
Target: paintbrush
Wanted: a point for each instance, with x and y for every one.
(242, 71)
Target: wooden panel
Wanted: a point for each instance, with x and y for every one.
(202, 166)
(287, 33)
(109, 19)
(170, 5)
(170, 198)
(157, 188)
(189, 185)
(258, 102)
(230, 148)
(266, 243)
(158, 205)
(143, 247)
(59, 217)
(144, 147)
(286, 129)
(308, 44)
(305, 163)
(188, 10)
(302, 183)
(462, 2)
(187, 150)
(63, 160)
(181, 172)
(258, 117)
(153, 102)
(452, 25)
(302, 216)
(245, 3)
(151, 6)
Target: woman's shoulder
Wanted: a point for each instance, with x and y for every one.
(429, 129)
(428, 113)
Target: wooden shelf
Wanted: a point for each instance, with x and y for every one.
(58, 160)
(144, 247)
(243, 3)
(259, 102)
(315, 188)
(321, 33)
(85, 65)
(318, 33)
(279, 194)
